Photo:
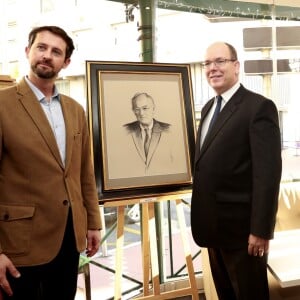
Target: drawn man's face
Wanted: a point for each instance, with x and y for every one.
(144, 109)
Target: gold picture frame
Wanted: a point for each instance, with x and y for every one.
(120, 169)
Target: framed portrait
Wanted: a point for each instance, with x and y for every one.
(142, 126)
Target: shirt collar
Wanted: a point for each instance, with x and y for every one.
(229, 93)
(39, 95)
(147, 127)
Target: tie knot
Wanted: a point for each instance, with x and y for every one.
(219, 98)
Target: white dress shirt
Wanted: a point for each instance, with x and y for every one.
(225, 98)
(54, 114)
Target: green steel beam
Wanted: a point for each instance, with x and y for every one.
(227, 8)
(147, 29)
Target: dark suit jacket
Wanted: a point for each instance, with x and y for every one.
(237, 173)
(36, 189)
(159, 129)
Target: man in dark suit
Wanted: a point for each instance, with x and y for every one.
(49, 210)
(236, 181)
(151, 138)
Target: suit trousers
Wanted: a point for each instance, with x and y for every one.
(54, 280)
(238, 275)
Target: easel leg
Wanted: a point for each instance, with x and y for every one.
(150, 266)
(145, 248)
(153, 250)
(103, 231)
(119, 252)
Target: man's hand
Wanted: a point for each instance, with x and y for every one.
(257, 246)
(93, 242)
(6, 266)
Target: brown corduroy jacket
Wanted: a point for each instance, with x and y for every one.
(36, 189)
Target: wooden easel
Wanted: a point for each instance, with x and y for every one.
(149, 250)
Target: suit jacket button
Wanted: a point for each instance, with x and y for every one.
(5, 216)
(65, 202)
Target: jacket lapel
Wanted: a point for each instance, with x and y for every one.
(220, 124)
(70, 131)
(156, 134)
(204, 113)
(34, 110)
(138, 141)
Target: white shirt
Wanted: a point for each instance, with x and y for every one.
(225, 98)
(149, 130)
(54, 114)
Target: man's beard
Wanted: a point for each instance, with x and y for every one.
(42, 73)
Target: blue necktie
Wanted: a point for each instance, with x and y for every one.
(216, 112)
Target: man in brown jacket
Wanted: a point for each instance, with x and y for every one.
(48, 199)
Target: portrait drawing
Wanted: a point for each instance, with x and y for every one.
(142, 122)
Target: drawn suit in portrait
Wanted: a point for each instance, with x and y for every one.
(150, 142)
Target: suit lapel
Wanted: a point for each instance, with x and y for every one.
(155, 138)
(220, 124)
(67, 113)
(34, 110)
(153, 144)
(138, 141)
(204, 113)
